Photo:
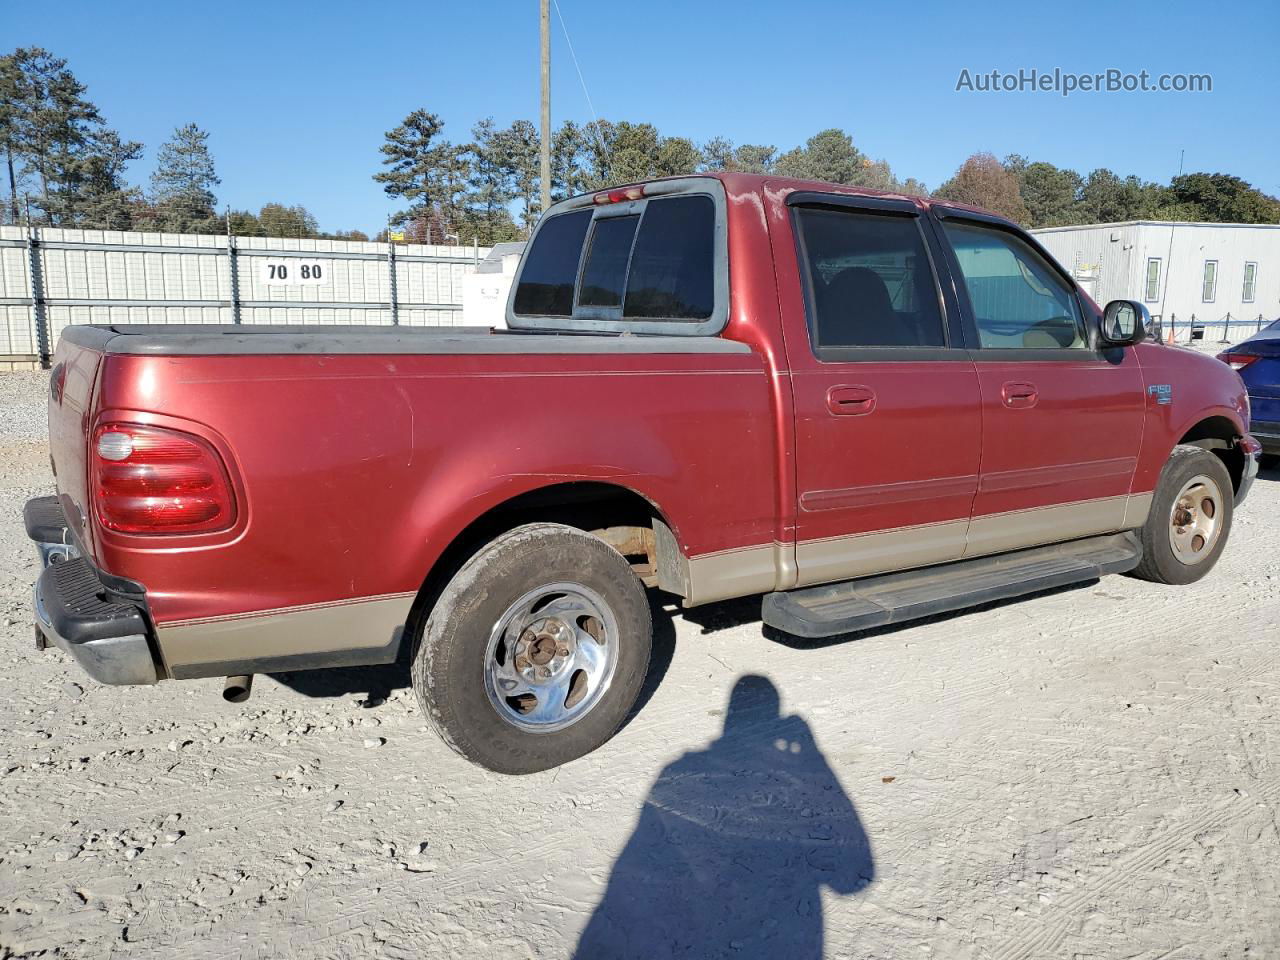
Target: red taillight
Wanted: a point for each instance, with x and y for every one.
(155, 480)
(1237, 361)
(619, 195)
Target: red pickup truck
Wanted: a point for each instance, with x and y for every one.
(864, 407)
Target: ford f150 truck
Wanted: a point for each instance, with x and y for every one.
(863, 407)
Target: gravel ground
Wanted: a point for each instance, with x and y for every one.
(22, 400)
(1089, 773)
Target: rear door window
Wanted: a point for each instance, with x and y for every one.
(870, 280)
(654, 262)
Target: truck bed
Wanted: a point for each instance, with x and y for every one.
(358, 454)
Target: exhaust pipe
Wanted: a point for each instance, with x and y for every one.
(237, 689)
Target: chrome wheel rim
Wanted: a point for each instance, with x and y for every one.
(551, 657)
(1195, 520)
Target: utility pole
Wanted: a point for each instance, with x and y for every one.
(545, 18)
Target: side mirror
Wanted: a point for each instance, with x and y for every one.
(1124, 323)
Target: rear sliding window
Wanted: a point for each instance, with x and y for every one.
(550, 270)
(658, 264)
(606, 268)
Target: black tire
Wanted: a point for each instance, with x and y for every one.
(1269, 461)
(1160, 563)
(450, 656)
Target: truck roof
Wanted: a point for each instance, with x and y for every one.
(738, 184)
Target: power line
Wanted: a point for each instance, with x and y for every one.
(595, 120)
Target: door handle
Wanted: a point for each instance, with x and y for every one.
(854, 401)
(1019, 395)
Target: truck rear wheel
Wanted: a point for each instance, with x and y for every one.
(1190, 518)
(536, 650)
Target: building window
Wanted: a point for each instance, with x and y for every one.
(1153, 280)
(1250, 281)
(1209, 290)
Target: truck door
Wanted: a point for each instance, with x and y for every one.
(1062, 418)
(887, 424)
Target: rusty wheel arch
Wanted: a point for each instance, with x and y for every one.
(626, 520)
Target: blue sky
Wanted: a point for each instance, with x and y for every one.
(297, 97)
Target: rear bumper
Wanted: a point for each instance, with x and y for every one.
(109, 636)
(1267, 433)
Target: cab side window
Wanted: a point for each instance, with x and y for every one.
(1019, 300)
(870, 281)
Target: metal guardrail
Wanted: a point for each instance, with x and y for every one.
(1226, 329)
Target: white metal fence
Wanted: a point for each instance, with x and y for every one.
(51, 278)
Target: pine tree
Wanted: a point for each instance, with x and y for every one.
(183, 182)
(518, 148)
(11, 99)
(102, 198)
(53, 135)
(829, 156)
(755, 158)
(676, 156)
(428, 172)
(491, 185)
(718, 154)
(568, 169)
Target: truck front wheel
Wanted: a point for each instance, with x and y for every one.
(1190, 518)
(535, 651)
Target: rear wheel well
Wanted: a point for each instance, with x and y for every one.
(1218, 435)
(620, 517)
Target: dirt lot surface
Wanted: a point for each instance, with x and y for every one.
(1091, 773)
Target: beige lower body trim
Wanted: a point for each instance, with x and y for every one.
(842, 558)
(1137, 510)
(759, 569)
(733, 573)
(998, 532)
(295, 631)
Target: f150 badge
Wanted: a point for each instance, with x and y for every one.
(1161, 392)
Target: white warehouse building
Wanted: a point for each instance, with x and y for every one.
(1219, 277)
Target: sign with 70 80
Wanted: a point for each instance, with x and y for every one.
(292, 272)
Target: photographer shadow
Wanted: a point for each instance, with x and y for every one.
(733, 847)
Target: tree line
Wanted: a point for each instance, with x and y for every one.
(489, 185)
(66, 167)
(1039, 194)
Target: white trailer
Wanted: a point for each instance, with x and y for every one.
(1219, 278)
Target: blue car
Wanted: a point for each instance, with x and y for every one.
(1258, 362)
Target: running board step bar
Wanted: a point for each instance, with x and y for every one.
(836, 608)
